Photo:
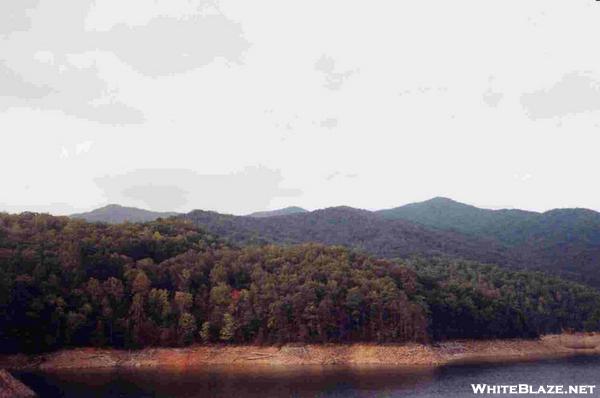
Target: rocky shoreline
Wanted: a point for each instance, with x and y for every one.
(553, 346)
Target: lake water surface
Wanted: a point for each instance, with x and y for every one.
(311, 381)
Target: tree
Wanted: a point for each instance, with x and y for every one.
(186, 328)
(205, 332)
(229, 327)
(141, 283)
(183, 301)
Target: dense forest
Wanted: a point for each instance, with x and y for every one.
(467, 299)
(565, 243)
(562, 242)
(66, 282)
(360, 230)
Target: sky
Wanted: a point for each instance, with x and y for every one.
(241, 106)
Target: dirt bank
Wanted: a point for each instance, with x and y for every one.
(13, 388)
(351, 354)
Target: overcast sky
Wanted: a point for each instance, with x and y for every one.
(238, 106)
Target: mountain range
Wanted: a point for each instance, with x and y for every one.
(564, 242)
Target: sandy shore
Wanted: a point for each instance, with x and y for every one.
(352, 354)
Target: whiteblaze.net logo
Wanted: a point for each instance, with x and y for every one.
(533, 390)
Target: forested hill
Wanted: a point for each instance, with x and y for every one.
(444, 213)
(562, 241)
(65, 283)
(361, 230)
(511, 227)
(115, 214)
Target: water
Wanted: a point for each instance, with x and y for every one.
(310, 381)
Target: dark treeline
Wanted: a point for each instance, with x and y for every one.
(467, 299)
(165, 283)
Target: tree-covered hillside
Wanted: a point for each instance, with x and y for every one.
(66, 282)
(447, 214)
(565, 242)
(559, 242)
(468, 299)
(357, 229)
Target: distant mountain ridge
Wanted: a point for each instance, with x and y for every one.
(116, 214)
(565, 242)
(444, 213)
(359, 229)
(510, 227)
(279, 212)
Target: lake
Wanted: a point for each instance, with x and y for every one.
(314, 381)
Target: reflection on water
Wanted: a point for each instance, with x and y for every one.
(311, 381)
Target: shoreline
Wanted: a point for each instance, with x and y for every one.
(358, 354)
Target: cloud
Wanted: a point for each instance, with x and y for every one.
(334, 78)
(13, 85)
(170, 45)
(524, 177)
(70, 89)
(181, 189)
(54, 66)
(14, 15)
(329, 123)
(339, 175)
(575, 93)
(333, 175)
(158, 196)
(69, 66)
(492, 98)
(78, 150)
(423, 90)
(83, 147)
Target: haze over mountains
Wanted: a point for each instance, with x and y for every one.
(565, 242)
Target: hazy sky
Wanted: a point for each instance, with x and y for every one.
(239, 106)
